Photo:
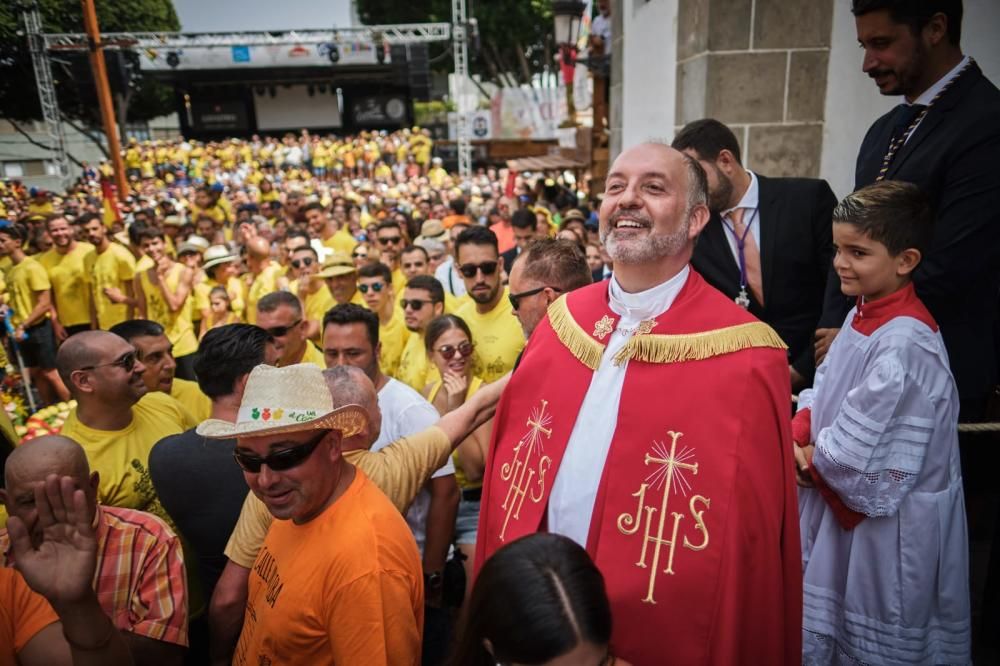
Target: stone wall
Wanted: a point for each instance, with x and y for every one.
(760, 67)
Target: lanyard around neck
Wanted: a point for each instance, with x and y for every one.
(741, 243)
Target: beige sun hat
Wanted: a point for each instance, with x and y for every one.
(294, 398)
(433, 229)
(218, 254)
(338, 263)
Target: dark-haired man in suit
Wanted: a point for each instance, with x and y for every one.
(767, 243)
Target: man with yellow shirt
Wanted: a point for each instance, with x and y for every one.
(390, 240)
(116, 420)
(423, 300)
(329, 231)
(69, 265)
(341, 277)
(495, 331)
(312, 291)
(30, 301)
(264, 274)
(375, 285)
(280, 314)
(155, 351)
(164, 295)
(113, 278)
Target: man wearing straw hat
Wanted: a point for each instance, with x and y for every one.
(339, 578)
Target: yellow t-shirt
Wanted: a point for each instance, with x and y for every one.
(115, 268)
(414, 368)
(177, 325)
(24, 281)
(190, 396)
(263, 284)
(316, 304)
(122, 456)
(474, 385)
(400, 470)
(497, 336)
(143, 263)
(313, 355)
(235, 288)
(342, 241)
(70, 275)
(392, 337)
(343, 588)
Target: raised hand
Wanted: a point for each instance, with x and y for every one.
(61, 568)
(455, 385)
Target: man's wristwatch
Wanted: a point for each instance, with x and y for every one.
(433, 581)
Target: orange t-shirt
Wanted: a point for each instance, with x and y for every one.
(343, 588)
(22, 615)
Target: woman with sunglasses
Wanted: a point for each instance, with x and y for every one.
(449, 346)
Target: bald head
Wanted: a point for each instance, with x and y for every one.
(349, 385)
(258, 248)
(36, 458)
(80, 351)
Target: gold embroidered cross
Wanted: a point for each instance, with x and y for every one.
(604, 327)
(527, 474)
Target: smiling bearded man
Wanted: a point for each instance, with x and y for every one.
(648, 421)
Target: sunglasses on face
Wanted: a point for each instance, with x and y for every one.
(126, 362)
(515, 299)
(414, 304)
(393, 240)
(470, 270)
(463, 349)
(359, 255)
(279, 461)
(282, 331)
(377, 287)
(304, 261)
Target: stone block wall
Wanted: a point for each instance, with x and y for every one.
(760, 67)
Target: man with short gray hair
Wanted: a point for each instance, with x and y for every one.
(546, 269)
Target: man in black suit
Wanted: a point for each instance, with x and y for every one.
(768, 242)
(946, 138)
(523, 223)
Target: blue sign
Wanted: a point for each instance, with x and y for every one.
(241, 54)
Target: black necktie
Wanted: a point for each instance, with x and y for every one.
(905, 114)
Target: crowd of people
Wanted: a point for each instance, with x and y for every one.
(334, 404)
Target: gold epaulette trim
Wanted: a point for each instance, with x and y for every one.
(698, 346)
(586, 349)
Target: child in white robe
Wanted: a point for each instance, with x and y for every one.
(882, 516)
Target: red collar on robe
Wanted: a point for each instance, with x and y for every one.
(872, 315)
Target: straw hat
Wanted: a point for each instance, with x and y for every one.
(338, 263)
(294, 398)
(574, 214)
(194, 244)
(433, 229)
(218, 254)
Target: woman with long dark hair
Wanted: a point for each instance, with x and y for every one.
(538, 600)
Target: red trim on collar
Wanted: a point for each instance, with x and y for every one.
(903, 303)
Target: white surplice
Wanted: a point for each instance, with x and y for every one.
(571, 503)
(894, 589)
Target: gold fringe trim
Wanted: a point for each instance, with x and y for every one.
(586, 349)
(698, 346)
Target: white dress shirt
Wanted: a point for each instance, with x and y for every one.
(929, 94)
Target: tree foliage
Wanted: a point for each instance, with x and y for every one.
(514, 35)
(74, 86)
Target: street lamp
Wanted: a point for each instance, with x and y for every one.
(567, 15)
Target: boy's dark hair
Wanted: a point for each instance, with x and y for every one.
(522, 218)
(477, 235)
(429, 284)
(376, 269)
(916, 13)
(707, 137)
(893, 212)
(344, 314)
(225, 354)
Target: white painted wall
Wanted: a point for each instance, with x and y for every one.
(650, 62)
(852, 100)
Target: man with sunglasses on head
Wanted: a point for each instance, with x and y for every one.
(116, 419)
(545, 269)
(423, 299)
(280, 314)
(375, 285)
(338, 579)
(499, 338)
(311, 290)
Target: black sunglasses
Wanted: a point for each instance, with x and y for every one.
(375, 286)
(464, 349)
(469, 270)
(515, 299)
(279, 461)
(282, 331)
(415, 304)
(394, 240)
(126, 362)
(359, 255)
(304, 261)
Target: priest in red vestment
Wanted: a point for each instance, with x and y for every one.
(648, 420)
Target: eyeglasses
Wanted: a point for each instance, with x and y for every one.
(304, 261)
(377, 287)
(126, 362)
(279, 461)
(515, 299)
(282, 331)
(392, 240)
(469, 270)
(414, 304)
(464, 349)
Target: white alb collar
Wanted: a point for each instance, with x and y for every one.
(649, 303)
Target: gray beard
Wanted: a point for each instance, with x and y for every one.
(653, 248)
